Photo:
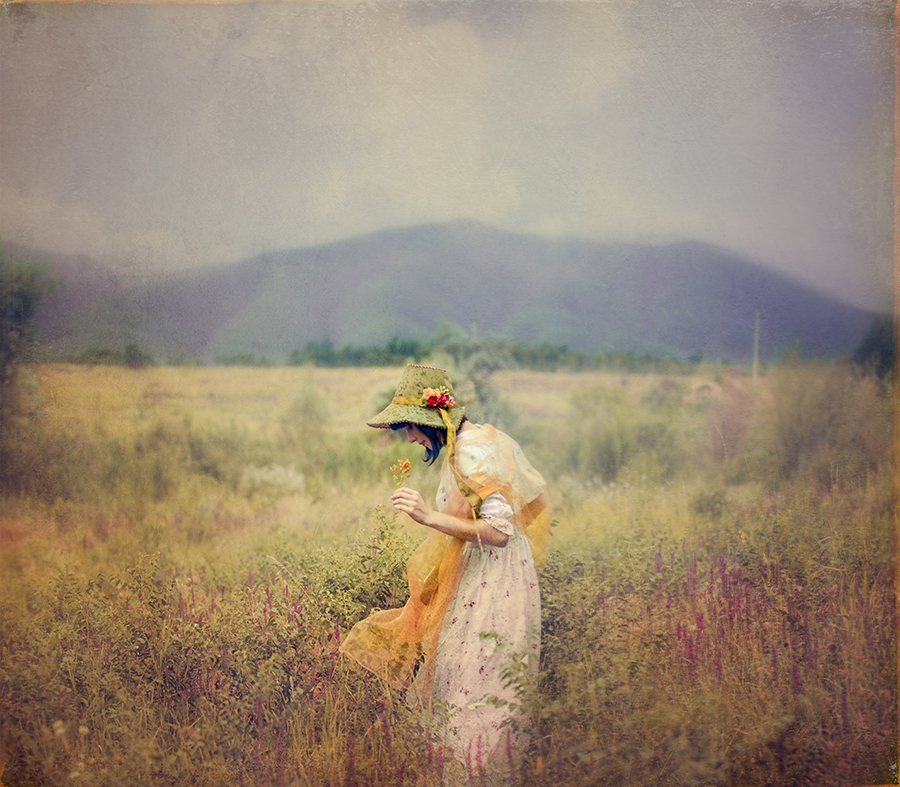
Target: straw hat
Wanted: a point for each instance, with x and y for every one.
(410, 404)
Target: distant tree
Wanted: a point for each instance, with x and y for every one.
(136, 358)
(131, 356)
(472, 362)
(876, 350)
(182, 360)
(397, 351)
(547, 358)
(317, 353)
(401, 350)
(242, 359)
(453, 341)
(99, 356)
(22, 286)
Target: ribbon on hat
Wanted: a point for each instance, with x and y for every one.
(468, 493)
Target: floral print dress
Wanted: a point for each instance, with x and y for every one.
(496, 613)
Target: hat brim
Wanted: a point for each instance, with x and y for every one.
(395, 414)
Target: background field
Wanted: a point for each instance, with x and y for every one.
(183, 549)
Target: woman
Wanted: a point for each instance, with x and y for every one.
(474, 575)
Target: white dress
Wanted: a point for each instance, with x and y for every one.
(498, 595)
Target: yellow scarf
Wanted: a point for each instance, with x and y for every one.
(390, 642)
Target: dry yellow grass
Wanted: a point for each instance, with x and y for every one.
(80, 399)
(542, 397)
(108, 585)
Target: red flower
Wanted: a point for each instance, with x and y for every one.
(437, 397)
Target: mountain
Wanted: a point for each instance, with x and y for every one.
(678, 299)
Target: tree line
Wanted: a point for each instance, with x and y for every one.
(24, 284)
(398, 351)
(875, 353)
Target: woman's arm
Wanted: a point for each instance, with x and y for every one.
(409, 501)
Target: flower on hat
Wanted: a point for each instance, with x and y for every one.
(437, 397)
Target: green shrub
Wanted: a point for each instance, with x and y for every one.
(655, 439)
(820, 422)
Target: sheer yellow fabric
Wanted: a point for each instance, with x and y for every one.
(390, 642)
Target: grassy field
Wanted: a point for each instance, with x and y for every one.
(182, 550)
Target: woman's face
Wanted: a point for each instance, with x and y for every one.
(414, 435)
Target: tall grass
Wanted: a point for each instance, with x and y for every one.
(177, 580)
(725, 649)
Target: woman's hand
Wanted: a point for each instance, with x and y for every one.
(409, 501)
(461, 525)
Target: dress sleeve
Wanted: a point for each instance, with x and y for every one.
(498, 513)
(472, 457)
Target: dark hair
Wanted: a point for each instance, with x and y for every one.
(436, 435)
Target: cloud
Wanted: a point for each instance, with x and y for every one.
(185, 135)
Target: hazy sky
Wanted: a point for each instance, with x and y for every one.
(164, 136)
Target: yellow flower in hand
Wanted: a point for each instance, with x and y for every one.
(401, 471)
